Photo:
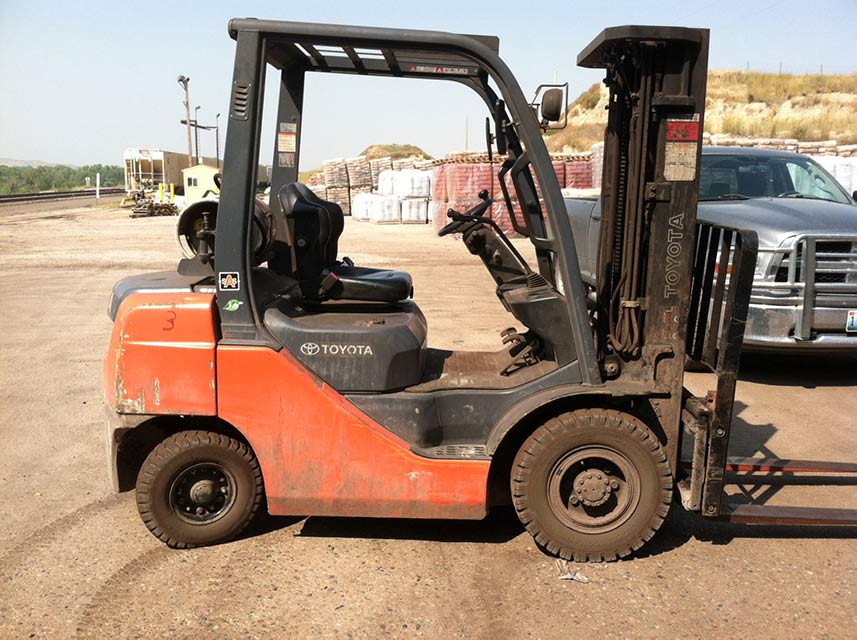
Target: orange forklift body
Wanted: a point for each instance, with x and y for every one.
(163, 360)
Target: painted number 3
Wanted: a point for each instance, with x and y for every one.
(171, 321)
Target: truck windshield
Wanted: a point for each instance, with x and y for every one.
(739, 177)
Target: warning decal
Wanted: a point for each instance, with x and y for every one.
(682, 146)
(682, 130)
(286, 142)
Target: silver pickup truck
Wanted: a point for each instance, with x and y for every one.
(805, 288)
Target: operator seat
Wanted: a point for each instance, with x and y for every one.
(316, 226)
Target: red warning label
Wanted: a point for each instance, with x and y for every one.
(682, 130)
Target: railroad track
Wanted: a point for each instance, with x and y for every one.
(58, 195)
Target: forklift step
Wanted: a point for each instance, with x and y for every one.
(768, 514)
(775, 465)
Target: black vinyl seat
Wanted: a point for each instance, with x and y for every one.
(316, 227)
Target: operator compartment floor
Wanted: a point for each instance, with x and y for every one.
(475, 370)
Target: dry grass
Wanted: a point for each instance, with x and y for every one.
(752, 104)
(774, 88)
(304, 176)
(394, 151)
(575, 137)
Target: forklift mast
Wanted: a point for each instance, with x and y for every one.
(650, 177)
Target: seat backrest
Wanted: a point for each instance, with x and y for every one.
(316, 224)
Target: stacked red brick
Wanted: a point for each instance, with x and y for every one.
(458, 180)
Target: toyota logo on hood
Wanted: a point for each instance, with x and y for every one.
(309, 348)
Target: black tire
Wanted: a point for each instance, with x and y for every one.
(592, 485)
(198, 488)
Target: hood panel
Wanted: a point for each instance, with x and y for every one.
(776, 219)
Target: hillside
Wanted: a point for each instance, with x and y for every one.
(753, 104)
(394, 151)
(12, 162)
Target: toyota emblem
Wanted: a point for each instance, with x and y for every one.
(309, 348)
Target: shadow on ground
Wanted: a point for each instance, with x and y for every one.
(806, 371)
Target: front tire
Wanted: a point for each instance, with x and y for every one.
(592, 485)
(198, 488)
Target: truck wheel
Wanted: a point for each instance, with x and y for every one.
(591, 485)
(198, 488)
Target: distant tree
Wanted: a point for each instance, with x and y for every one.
(57, 178)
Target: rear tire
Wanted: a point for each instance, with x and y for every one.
(198, 488)
(592, 485)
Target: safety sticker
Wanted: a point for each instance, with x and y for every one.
(228, 281)
(682, 148)
(286, 159)
(232, 305)
(286, 142)
(442, 70)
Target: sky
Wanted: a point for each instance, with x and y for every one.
(82, 81)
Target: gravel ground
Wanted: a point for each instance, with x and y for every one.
(75, 560)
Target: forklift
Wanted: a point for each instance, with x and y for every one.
(268, 370)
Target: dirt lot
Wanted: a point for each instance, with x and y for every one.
(76, 560)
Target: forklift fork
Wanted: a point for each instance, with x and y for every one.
(722, 278)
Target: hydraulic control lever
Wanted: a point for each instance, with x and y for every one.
(476, 214)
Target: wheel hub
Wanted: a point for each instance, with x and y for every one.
(202, 493)
(592, 488)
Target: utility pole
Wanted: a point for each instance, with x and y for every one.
(217, 137)
(196, 131)
(183, 81)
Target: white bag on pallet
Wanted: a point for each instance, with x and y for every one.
(385, 182)
(415, 210)
(361, 205)
(412, 183)
(385, 209)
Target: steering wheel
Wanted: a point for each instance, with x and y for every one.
(460, 220)
(791, 192)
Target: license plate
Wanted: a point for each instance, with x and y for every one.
(851, 323)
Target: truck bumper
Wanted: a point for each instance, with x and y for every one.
(772, 328)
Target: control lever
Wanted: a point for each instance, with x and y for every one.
(476, 214)
(524, 348)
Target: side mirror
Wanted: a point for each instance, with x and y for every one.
(854, 195)
(551, 108)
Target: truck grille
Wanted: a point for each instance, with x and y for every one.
(831, 255)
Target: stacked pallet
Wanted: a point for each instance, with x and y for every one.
(412, 188)
(377, 208)
(400, 164)
(579, 174)
(341, 196)
(359, 172)
(376, 166)
(336, 180)
(847, 150)
(335, 172)
(459, 177)
(816, 147)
